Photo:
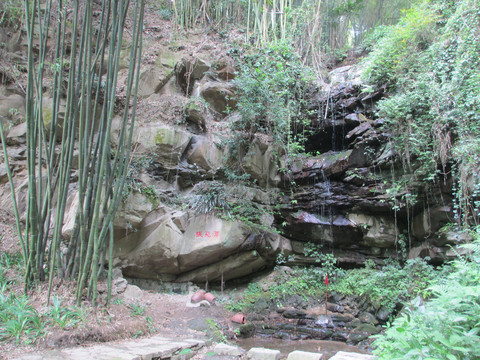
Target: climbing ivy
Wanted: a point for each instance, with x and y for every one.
(430, 62)
(273, 86)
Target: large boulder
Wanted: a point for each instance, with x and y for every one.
(171, 245)
(3, 173)
(132, 211)
(12, 109)
(153, 250)
(307, 227)
(381, 231)
(209, 239)
(218, 94)
(205, 153)
(190, 70)
(431, 220)
(260, 162)
(326, 165)
(152, 80)
(165, 144)
(233, 267)
(17, 134)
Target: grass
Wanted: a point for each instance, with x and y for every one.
(383, 287)
(20, 321)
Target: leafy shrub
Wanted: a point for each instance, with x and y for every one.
(210, 198)
(385, 287)
(430, 58)
(447, 326)
(389, 285)
(272, 86)
(11, 13)
(64, 317)
(21, 322)
(398, 45)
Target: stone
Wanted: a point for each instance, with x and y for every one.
(338, 231)
(12, 109)
(209, 239)
(294, 314)
(246, 330)
(228, 350)
(155, 347)
(368, 318)
(219, 95)
(188, 71)
(359, 130)
(324, 321)
(3, 174)
(132, 292)
(152, 80)
(235, 266)
(303, 355)
(120, 285)
(343, 355)
(383, 313)
(70, 214)
(204, 248)
(17, 134)
(132, 211)
(205, 153)
(196, 112)
(227, 73)
(165, 144)
(260, 163)
(381, 231)
(430, 220)
(451, 237)
(263, 354)
(151, 250)
(47, 113)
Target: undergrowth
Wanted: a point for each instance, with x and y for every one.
(19, 320)
(385, 287)
(445, 327)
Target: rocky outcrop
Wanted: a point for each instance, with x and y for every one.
(173, 245)
(343, 197)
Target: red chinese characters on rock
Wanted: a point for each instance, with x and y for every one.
(207, 234)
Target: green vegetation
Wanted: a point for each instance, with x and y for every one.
(430, 62)
(319, 30)
(11, 13)
(21, 322)
(445, 327)
(273, 86)
(385, 287)
(215, 331)
(233, 203)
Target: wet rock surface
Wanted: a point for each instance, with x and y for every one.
(348, 320)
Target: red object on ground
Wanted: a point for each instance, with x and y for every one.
(210, 297)
(198, 296)
(239, 319)
(326, 279)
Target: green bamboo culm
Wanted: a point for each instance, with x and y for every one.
(78, 118)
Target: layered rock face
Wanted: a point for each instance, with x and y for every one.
(178, 224)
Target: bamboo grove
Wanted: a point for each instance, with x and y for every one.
(75, 50)
(313, 27)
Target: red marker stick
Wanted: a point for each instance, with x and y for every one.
(326, 293)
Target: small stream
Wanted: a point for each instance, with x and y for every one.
(327, 348)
